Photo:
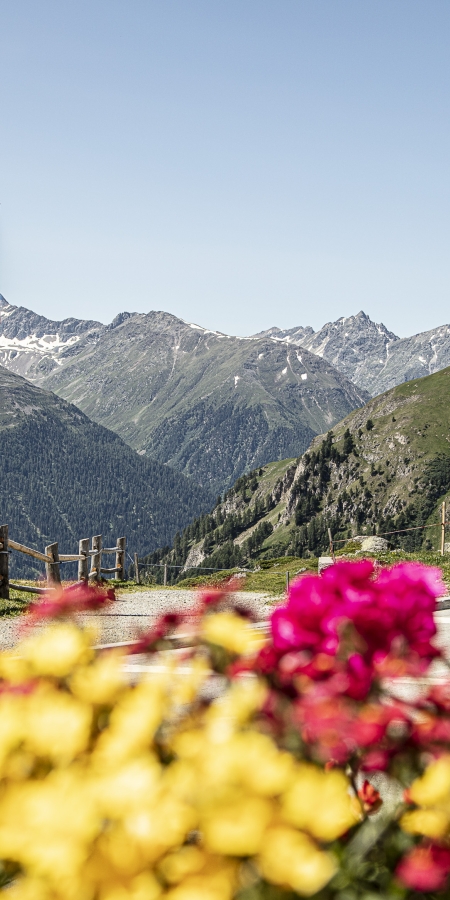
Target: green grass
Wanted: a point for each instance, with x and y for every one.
(268, 577)
(271, 577)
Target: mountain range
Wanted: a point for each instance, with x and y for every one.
(211, 405)
(64, 477)
(368, 354)
(208, 404)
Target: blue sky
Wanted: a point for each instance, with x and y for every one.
(239, 163)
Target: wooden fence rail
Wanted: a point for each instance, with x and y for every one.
(53, 560)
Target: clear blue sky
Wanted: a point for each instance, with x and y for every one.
(239, 163)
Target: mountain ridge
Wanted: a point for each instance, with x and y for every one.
(209, 404)
(369, 354)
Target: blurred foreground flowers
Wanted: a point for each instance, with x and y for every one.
(237, 766)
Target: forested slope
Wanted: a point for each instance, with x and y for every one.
(63, 478)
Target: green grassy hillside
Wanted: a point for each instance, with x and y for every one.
(385, 467)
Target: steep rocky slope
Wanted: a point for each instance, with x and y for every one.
(370, 355)
(63, 478)
(32, 345)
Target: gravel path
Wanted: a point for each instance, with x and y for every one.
(135, 612)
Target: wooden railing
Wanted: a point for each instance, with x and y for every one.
(87, 551)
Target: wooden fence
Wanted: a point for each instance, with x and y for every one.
(87, 551)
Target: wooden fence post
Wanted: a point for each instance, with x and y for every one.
(96, 558)
(52, 568)
(330, 537)
(4, 563)
(136, 569)
(120, 559)
(443, 516)
(83, 564)
(165, 574)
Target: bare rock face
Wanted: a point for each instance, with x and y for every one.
(355, 345)
(370, 355)
(374, 545)
(195, 557)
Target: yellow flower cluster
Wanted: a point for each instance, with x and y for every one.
(112, 791)
(431, 794)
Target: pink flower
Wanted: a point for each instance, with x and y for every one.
(425, 868)
(390, 620)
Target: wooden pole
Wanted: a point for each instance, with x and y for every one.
(443, 516)
(52, 568)
(331, 545)
(36, 554)
(165, 574)
(120, 558)
(136, 569)
(4, 563)
(83, 563)
(287, 580)
(96, 558)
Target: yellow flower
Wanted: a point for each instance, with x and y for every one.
(434, 786)
(232, 632)
(29, 888)
(249, 760)
(57, 725)
(237, 828)
(13, 668)
(102, 681)
(123, 855)
(216, 881)
(263, 768)
(12, 725)
(432, 823)
(185, 686)
(142, 887)
(156, 830)
(132, 785)
(56, 650)
(133, 723)
(185, 861)
(291, 859)
(237, 705)
(320, 803)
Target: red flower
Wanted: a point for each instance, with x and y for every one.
(149, 640)
(370, 798)
(375, 761)
(425, 868)
(65, 601)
